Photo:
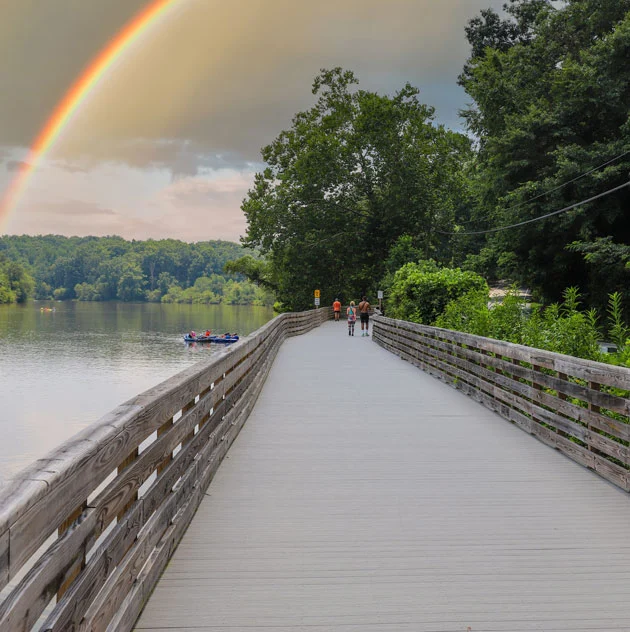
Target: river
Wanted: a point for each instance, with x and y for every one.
(62, 370)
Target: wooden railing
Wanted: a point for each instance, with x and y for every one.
(86, 532)
(579, 407)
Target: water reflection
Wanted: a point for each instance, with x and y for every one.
(61, 370)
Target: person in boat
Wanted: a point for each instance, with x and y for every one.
(192, 334)
(208, 333)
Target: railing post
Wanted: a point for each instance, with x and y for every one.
(73, 572)
(595, 386)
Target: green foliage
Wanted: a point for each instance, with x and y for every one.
(60, 294)
(618, 330)
(468, 313)
(131, 282)
(259, 271)
(108, 268)
(207, 291)
(16, 284)
(402, 251)
(562, 328)
(86, 292)
(351, 175)
(473, 314)
(421, 291)
(550, 84)
(7, 295)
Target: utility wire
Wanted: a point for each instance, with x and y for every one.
(557, 188)
(537, 219)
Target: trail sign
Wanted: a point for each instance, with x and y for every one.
(380, 294)
(316, 302)
(317, 294)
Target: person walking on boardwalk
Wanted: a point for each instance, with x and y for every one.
(352, 318)
(337, 309)
(364, 309)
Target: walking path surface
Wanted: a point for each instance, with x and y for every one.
(363, 494)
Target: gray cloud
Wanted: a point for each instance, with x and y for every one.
(181, 157)
(74, 208)
(220, 78)
(71, 167)
(16, 165)
(79, 217)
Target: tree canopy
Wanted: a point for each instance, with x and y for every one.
(551, 94)
(349, 177)
(15, 282)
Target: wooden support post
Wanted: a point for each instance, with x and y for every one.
(123, 465)
(565, 377)
(596, 387)
(79, 564)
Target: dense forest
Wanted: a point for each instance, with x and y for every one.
(362, 183)
(112, 268)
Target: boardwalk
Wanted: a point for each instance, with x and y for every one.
(363, 494)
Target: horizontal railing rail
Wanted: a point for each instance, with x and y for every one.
(577, 406)
(86, 531)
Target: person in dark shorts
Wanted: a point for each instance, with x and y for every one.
(364, 311)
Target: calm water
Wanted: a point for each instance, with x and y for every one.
(61, 371)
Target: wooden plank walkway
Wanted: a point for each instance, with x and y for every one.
(363, 494)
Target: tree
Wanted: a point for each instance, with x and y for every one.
(258, 271)
(16, 284)
(550, 104)
(421, 291)
(352, 174)
(131, 283)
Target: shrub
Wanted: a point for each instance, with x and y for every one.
(564, 328)
(468, 313)
(61, 293)
(472, 314)
(560, 328)
(420, 292)
(618, 331)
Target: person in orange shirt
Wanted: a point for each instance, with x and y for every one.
(337, 308)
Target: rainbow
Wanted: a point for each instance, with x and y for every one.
(77, 94)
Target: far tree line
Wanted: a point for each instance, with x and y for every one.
(112, 268)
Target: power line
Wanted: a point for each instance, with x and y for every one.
(537, 219)
(557, 188)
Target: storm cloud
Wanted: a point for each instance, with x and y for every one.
(224, 75)
(196, 97)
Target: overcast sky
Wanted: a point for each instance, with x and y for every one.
(167, 144)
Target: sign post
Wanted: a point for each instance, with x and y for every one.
(317, 297)
(380, 301)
